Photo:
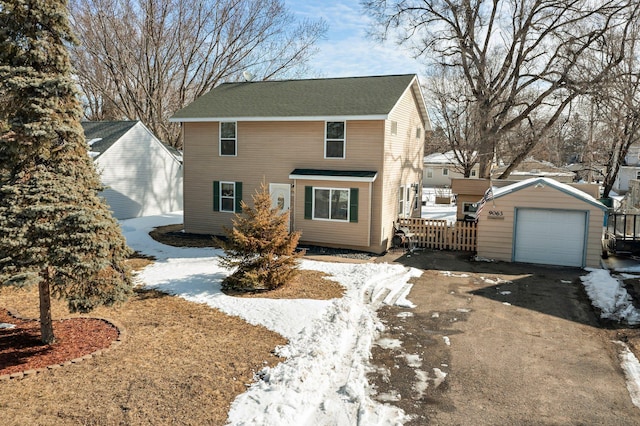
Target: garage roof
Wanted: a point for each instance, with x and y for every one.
(567, 189)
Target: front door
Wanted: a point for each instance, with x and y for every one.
(281, 197)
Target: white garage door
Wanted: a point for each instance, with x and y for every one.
(551, 237)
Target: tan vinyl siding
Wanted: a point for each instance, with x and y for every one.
(403, 160)
(329, 232)
(495, 236)
(268, 151)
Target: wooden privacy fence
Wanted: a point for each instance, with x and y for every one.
(440, 234)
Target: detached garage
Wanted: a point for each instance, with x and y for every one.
(541, 221)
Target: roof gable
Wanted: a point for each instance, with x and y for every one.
(567, 189)
(295, 99)
(104, 134)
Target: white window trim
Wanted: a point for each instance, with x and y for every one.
(394, 128)
(405, 206)
(429, 173)
(235, 140)
(473, 173)
(418, 132)
(313, 204)
(344, 140)
(445, 172)
(226, 197)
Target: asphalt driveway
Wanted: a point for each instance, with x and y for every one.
(499, 344)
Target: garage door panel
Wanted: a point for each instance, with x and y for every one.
(553, 237)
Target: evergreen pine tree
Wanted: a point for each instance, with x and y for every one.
(54, 229)
(260, 246)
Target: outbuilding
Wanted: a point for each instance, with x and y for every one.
(142, 176)
(542, 221)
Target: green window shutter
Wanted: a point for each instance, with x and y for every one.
(308, 202)
(238, 197)
(353, 205)
(216, 196)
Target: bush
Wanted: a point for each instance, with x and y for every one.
(260, 246)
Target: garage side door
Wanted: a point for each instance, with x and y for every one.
(551, 237)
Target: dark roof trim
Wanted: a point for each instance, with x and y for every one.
(334, 175)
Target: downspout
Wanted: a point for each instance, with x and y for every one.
(370, 215)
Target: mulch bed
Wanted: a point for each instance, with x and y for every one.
(22, 350)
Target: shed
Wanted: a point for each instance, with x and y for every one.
(142, 176)
(541, 220)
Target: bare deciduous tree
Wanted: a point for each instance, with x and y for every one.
(145, 59)
(453, 113)
(616, 107)
(520, 58)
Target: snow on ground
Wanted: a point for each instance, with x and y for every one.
(323, 380)
(431, 210)
(609, 295)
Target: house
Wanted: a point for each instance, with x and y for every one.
(530, 168)
(629, 170)
(343, 155)
(440, 168)
(142, 176)
(541, 220)
(469, 192)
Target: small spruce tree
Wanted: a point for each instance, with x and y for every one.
(54, 229)
(260, 246)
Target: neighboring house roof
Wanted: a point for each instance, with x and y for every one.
(448, 157)
(350, 97)
(567, 189)
(535, 168)
(102, 134)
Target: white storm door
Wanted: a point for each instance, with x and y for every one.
(281, 197)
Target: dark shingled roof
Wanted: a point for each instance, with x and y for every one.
(108, 131)
(334, 173)
(351, 96)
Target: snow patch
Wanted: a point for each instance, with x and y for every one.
(610, 297)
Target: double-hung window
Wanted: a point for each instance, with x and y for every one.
(334, 143)
(227, 196)
(228, 139)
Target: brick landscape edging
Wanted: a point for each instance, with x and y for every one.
(27, 373)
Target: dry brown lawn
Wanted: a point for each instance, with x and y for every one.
(180, 363)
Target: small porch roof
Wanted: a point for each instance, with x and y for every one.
(335, 175)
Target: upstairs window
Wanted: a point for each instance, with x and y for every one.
(394, 128)
(228, 140)
(334, 145)
(445, 172)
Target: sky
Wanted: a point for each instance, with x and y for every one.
(323, 379)
(347, 50)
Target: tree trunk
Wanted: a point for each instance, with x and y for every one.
(46, 324)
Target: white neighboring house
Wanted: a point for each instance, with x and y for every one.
(630, 170)
(142, 176)
(440, 168)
